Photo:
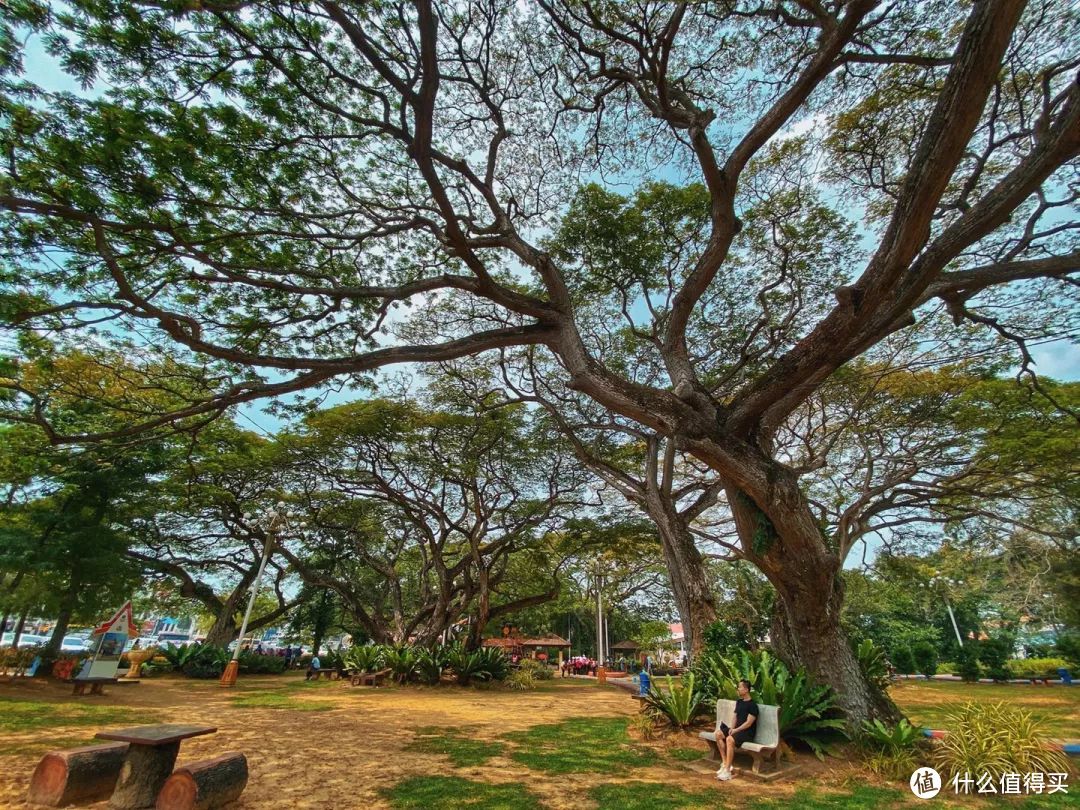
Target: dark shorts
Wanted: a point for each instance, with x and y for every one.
(743, 737)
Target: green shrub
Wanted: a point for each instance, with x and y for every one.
(494, 663)
(465, 664)
(485, 664)
(1067, 646)
(903, 660)
(179, 656)
(521, 680)
(206, 661)
(402, 661)
(995, 653)
(430, 663)
(967, 662)
(926, 657)
(152, 668)
(1035, 667)
(255, 664)
(204, 669)
(994, 738)
(895, 765)
(808, 711)
(679, 704)
(873, 663)
(363, 658)
(539, 670)
(890, 739)
(946, 668)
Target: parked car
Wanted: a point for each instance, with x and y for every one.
(75, 644)
(25, 640)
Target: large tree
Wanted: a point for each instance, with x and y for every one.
(419, 515)
(198, 532)
(263, 182)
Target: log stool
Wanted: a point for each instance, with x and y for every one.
(205, 785)
(96, 685)
(84, 774)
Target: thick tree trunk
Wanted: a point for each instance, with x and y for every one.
(223, 632)
(63, 620)
(19, 625)
(806, 631)
(790, 550)
(690, 583)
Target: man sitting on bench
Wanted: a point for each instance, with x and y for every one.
(315, 666)
(728, 739)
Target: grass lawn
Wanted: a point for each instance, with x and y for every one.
(36, 727)
(927, 702)
(565, 746)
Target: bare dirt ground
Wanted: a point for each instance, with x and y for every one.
(331, 745)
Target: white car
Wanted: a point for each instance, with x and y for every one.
(75, 644)
(25, 640)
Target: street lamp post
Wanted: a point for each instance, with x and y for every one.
(270, 522)
(601, 631)
(948, 605)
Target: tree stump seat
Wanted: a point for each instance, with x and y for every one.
(96, 685)
(205, 785)
(77, 775)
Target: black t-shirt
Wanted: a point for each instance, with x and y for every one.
(743, 709)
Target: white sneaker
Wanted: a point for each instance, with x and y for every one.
(724, 774)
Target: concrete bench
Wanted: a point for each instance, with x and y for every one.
(766, 742)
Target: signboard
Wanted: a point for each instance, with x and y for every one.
(111, 637)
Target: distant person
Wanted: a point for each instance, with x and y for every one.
(728, 739)
(313, 667)
(288, 657)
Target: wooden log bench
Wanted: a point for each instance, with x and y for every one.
(86, 774)
(331, 674)
(766, 743)
(96, 685)
(205, 785)
(371, 678)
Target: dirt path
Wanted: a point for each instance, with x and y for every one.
(330, 745)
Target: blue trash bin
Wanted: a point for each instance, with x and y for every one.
(643, 683)
(1066, 678)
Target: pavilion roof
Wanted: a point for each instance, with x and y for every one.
(625, 645)
(550, 640)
